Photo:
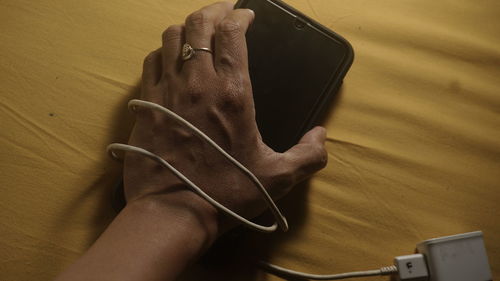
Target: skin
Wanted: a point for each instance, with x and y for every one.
(165, 227)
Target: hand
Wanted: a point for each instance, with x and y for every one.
(214, 93)
(165, 226)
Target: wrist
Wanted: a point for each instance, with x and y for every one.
(152, 238)
(183, 211)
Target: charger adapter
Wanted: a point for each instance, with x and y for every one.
(460, 257)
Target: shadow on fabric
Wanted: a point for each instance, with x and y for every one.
(235, 255)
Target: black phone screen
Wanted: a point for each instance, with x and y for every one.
(294, 66)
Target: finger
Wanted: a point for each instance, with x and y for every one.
(200, 29)
(230, 43)
(151, 74)
(172, 39)
(308, 156)
(152, 68)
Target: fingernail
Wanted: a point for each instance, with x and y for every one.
(251, 12)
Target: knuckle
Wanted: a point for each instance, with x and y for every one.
(227, 59)
(230, 98)
(231, 104)
(321, 156)
(150, 58)
(229, 27)
(229, 87)
(198, 18)
(194, 90)
(173, 32)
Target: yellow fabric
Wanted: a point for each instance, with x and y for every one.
(413, 139)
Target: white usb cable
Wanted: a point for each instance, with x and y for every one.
(297, 274)
(280, 219)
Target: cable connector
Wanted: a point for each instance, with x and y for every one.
(411, 267)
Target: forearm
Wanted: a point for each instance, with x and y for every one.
(149, 240)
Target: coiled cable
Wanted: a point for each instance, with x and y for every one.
(280, 219)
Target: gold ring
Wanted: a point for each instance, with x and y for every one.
(188, 51)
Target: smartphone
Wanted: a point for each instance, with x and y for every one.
(296, 66)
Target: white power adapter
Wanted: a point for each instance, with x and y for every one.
(460, 257)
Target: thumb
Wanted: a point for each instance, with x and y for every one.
(308, 156)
